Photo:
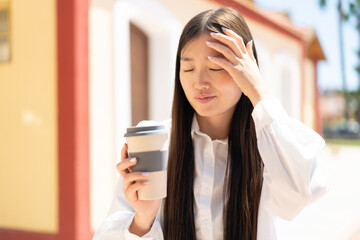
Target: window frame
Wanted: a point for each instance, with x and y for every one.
(6, 35)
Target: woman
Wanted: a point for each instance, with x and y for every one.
(236, 159)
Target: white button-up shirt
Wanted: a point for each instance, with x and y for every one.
(292, 178)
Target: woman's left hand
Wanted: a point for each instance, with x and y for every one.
(240, 63)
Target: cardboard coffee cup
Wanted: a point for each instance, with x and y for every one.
(150, 146)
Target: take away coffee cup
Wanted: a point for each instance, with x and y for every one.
(150, 146)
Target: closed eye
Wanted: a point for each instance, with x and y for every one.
(188, 70)
(216, 69)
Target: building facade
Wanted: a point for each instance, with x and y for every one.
(75, 73)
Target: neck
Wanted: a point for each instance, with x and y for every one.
(216, 127)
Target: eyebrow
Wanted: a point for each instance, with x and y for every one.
(219, 55)
(186, 59)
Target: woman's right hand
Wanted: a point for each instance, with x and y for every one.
(145, 210)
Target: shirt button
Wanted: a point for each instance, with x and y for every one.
(206, 191)
(205, 222)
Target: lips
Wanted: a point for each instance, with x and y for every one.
(204, 98)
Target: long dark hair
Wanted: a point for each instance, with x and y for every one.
(242, 188)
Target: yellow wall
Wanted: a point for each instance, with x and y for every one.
(28, 120)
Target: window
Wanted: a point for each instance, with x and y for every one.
(4, 34)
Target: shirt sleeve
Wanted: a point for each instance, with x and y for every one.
(292, 176)
(116, 225)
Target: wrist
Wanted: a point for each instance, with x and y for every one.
(141, 225)
(257, 95)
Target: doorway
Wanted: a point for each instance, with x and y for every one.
(139, 75)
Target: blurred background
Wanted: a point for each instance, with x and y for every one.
(75, 73)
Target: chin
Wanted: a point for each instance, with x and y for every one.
(206, 113)
(214, 111)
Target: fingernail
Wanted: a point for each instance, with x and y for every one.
(208, 42)
(251, 42)
(145, 173)
(213, 33)
(132, 159)
(224, 28)
(146, 182)
(209, 57)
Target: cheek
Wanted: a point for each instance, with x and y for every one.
(185, 85)
(231, 90)
(237, 95)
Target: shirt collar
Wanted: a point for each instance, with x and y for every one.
(195, 129)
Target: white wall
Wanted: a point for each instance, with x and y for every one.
(102, 123)
(265, 63)
(288, 80)
(184, 10)
(163, 32)
(279, 55)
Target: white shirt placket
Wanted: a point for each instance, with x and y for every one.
(206, 189)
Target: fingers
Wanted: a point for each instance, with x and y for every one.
(132, 178)
(125, 156)
(249, 48)
(124, 153)
(237, 38)
(228, 41)
(235, 43)
(131, 192)
(132, 183)
(224, 50)
(125, 165)
(222, 63)
(232, 47)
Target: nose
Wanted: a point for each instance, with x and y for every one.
(201, 80)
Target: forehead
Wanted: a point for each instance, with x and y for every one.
(197, 46)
